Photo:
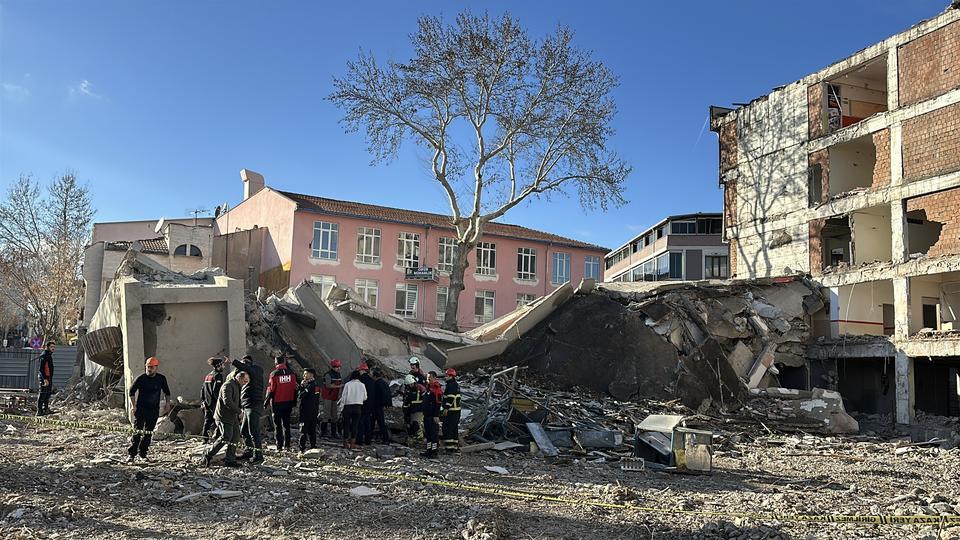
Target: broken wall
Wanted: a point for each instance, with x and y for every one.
(942, 207)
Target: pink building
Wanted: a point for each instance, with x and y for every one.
(399, 260)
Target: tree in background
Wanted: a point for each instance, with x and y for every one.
(506, 118)
(43, 234)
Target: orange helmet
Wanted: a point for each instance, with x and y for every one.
(363, 367)
(152, 361)
(335, 363)
(451, 372)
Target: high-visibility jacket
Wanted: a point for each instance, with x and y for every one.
(451, 396)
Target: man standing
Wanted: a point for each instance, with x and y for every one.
(382, 398)
(251, 400)
(365, 436)
(451, 413)
(45, 374)
(228, 420)
(330, 392)
(413, 407)
(282, 395)
(351, 400)
(145, 404)
(209, 393)
(309, 407)
(432, 403)
(416, 372)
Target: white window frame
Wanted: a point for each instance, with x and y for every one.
(441, 301)
(591, 261)
(524, 299)
(367, 288)
(408, 250)
(527, 264)
(409, 309)
(326, 283)
(446, 251)
(561, 267)
(488, 308)
(486, 259)
(326, 240)
(368, 245)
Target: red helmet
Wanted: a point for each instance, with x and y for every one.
(335, 363)
(363, 367)
(451, 372)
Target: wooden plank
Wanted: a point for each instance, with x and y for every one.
(543, 441)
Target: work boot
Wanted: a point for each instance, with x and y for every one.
(233, 463)
(257, 458)
(247, 454)
(131, 459)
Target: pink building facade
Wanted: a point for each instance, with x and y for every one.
(399, 260)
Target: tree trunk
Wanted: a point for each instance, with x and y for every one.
(460, 264)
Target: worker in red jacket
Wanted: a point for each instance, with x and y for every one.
(282, 395)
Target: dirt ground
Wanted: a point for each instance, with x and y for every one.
(58, 483)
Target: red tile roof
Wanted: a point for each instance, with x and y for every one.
(322, 205)
(152, 245)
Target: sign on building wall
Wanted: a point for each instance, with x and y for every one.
(422, 273)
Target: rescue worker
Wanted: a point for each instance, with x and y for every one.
(416, 372)
(209, 392)
(45, 374)
(251, 400)
(330, 392)
(383, 399)
(351, 400)
(432, 403)
(413, 406)
(145, 404)
(451, 412)
(228, 413)
(309, 407)
(365, 437)
(282, 396)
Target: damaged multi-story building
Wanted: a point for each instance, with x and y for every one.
(852, 175)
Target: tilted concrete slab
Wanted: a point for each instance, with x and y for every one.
(323, 342)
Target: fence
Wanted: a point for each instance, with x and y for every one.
(18, 367)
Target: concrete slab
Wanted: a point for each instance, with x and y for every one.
(328, 340)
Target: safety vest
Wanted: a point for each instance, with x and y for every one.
(451, 402)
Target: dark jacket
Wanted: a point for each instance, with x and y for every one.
(370, 385)
(211, 389)
(413, 398)
(309, 395)
(451, 396)
(419, 376)
(381, 393)
(432, 402)
(45, 368)
(228, 403)
(251, 396)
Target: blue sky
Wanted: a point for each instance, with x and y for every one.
(158, 105)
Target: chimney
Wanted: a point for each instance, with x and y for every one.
(252, 182)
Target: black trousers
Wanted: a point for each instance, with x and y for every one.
(308, 430)
(351, 422)
(43, 400)
(431, 429)
(209, 424)
(366, 425)
(451, 430)
(143, 420)
(250, 428)
(281, 423)
(381, 424)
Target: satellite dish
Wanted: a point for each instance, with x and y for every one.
(159, 226)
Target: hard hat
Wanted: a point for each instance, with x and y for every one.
(335, 363)
(451, 372)
(414, 360)
(152, 361)
(409, 379)
(363, 367)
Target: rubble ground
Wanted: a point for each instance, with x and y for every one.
(74, 484)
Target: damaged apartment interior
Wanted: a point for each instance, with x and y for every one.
(852, 175)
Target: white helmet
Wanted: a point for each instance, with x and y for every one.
(414, 361)
(409, 379)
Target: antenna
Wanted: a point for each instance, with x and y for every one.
(196, 213)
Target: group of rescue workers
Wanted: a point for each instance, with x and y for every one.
(234, 403)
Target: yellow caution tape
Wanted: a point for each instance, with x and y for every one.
(879, 519)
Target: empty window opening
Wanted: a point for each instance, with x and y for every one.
(872, 239)
(934, 304)
(861, 309)
(855, 95)
(837, 242)
(867, 384)
(939, 377)
(851, 166)
(922, 233)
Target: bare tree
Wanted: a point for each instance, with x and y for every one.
(506, 118)
(42, 238)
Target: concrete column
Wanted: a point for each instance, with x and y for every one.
(893, 79)
(901, 308)
(905, 388)
(896, 154)
(899, 232)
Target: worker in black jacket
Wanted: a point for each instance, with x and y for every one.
(45, 374)
(309, 397)
(208, 395)
(251, 401)
(432, 404)
(413, 406)
(366, 410)
(382, 399)
(451, 412)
